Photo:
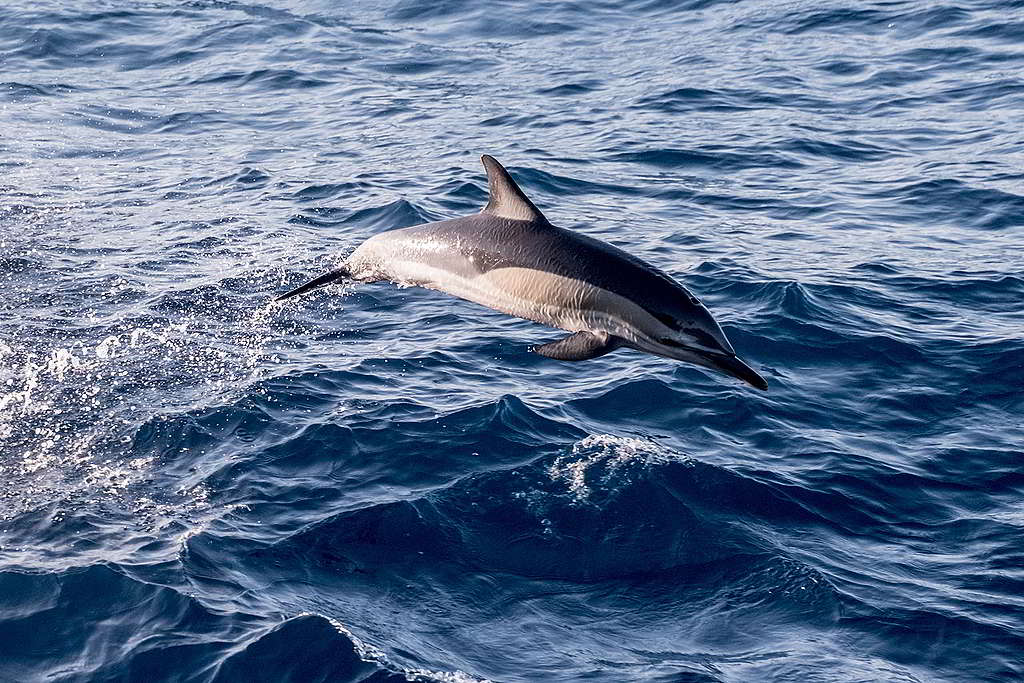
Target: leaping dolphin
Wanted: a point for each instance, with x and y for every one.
(509, 257)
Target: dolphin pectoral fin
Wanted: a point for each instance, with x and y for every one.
(325, 279)
(579, 346)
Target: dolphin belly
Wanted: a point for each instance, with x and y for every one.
(548, 298)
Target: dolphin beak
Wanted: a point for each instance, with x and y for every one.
(731, 365)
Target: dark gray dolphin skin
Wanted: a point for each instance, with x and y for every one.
(510, 258)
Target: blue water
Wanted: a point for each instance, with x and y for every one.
(381, 484)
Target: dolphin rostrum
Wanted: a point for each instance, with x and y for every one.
(510, 258)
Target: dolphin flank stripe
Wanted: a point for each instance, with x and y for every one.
(509, 257)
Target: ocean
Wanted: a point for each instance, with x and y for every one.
(380, 484)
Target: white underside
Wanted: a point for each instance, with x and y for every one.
(555, 300)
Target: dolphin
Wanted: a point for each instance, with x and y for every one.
(509, 257)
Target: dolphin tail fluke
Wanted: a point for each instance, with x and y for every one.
(579, 346)
(324, 279)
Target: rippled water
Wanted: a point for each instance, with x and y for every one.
(381, 484)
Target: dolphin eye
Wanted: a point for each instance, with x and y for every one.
(702, 337)
(667, 320)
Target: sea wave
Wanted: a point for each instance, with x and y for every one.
(374, 483)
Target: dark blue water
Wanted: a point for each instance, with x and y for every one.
(384, 484)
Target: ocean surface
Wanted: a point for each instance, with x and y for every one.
(372, 483)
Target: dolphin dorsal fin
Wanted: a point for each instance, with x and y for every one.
(507, 200)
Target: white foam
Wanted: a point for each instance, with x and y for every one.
(67, 415)
(374, 655)
(606, 460)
